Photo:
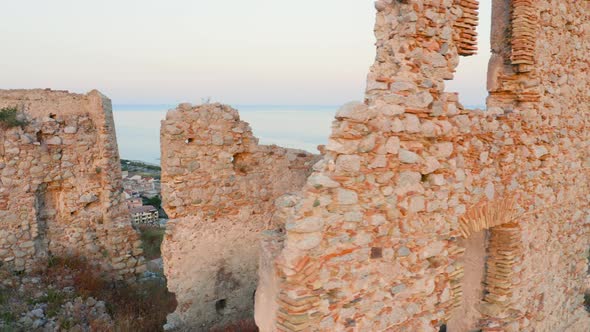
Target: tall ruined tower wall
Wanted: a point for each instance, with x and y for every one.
(219, 189)
(60, 184)
(413, 186)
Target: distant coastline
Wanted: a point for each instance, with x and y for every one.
(245, 107)
(294, 126)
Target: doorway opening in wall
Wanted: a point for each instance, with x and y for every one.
(470, 78)
(467, 316)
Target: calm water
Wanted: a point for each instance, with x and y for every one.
(300, 127)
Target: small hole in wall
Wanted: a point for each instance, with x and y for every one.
(52, 116)
(443, 328)
(189, 140)
(376, 252)
(220, 306)
(243, 163)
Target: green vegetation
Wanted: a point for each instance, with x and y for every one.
(133, 307)
(153, 201)
(3, 296)
(141, 168)
(151, 239)
(8, 317)
(130, 165)
(54, 299)
(8, 118)
(139, 306)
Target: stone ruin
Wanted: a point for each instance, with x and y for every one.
(420, 215)
(219, 188)
(426, 216)
(60, 184)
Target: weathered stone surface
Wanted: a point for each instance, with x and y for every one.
(44, 208)
(515, 176)
(219, 209)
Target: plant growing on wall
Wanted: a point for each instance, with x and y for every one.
(9, 118)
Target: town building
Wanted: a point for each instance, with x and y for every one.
(143, 186)
(144, 215)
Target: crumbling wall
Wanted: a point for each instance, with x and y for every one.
(410, 179)
(218, 188)
(60, 184)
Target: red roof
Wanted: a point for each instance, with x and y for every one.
(143, 209)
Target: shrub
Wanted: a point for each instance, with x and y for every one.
(54, 299)
(141, 307)
(8, 117)
(153, 201)
(151, 241)
(8, 317)
(133, 307)
(246, 325)
(3, 296)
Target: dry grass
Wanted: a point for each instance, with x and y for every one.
(133, 307)
(246, 325)
(151, 239)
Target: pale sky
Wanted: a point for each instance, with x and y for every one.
(302, 52)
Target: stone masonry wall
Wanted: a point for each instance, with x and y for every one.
(377, 238)
(219, 187)
(60, 184)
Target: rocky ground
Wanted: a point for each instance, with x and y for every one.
(29, 304)
(71, 296)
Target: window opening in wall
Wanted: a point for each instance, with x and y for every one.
(471, 75)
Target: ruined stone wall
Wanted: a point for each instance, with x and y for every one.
(60, 184)
(379, 237)
(218, 188)
(543, 84)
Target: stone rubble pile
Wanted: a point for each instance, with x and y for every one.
(84, 315)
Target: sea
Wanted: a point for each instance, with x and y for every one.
(298, 127)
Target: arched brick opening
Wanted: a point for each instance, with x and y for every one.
(490, 243)
(490, 247)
